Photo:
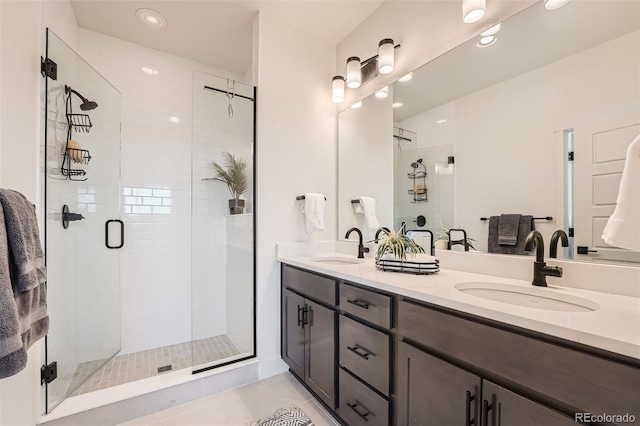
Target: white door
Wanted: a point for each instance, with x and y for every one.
(600, 145)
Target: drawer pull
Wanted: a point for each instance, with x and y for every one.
(359, 303)
(302, 316)
(486, 407)
(364, 355)
(355, 410)
(470, 399)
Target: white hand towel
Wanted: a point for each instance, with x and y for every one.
(623, 228)
(369, 209)
(313, 209)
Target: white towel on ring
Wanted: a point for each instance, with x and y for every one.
(623, 228)
(368, 205)
(313, 209)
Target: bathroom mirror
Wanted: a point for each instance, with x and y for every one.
(494, 127)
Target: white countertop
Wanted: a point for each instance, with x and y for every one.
(614, 327)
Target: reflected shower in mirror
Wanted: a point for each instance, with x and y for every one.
(536, 123)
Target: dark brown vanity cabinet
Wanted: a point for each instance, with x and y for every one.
(309, 330)
(454, 368)
(365, 356)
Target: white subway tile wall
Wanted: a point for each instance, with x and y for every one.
(156, 197)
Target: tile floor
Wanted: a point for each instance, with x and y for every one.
(241, 406)
(140, 365)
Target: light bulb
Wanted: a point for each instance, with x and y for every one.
(406, 77)
(337, 92)
(554, 4)
(354, 73)
(385, 56)
(473, 10)
(491, 31)
(486, 41)
(356, 105)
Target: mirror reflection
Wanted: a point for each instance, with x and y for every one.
(535, 123)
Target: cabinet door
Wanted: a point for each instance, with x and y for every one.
(321, 353)
(293, 331)
(432, 392)
(501, 407)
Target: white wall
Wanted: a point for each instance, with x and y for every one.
(425, 30)
(19, 166)
(296, 154)
(366, 143)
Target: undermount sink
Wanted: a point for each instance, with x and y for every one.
(337, 260)
(538, 298)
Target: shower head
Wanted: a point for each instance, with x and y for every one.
(86, 104)
(417, 163)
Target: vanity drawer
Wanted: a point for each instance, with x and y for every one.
(317, 287)
(539, 366)
(370, 306)
(365, 352)
(359, 405)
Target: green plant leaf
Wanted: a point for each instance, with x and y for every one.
(233, 174)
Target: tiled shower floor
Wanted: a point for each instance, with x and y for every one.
(140, 365)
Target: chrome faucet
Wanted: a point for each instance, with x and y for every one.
(553, 247)
(361, 248)
(540, 268)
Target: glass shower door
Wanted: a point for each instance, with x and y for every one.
(83, 228)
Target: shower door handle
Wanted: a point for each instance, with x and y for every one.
(106, 234)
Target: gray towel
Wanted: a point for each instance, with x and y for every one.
(525, 226)
(508, 226)
(24, 239)
(23, 316)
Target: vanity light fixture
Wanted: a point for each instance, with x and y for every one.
(152, 18)
(397, 104)
(337, 89)
(382, 93)
(554, 4)
(486, 41)
(473, 10)
(354, 72)
(406, 77)
(356, 105)
(386, 56)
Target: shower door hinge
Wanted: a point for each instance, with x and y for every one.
(571, 156)
(48, 373)
(48, 68)
(571, 232)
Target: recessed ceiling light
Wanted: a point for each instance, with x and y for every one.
(441, 121)
(173, 119)
(150, 71)
(491, 31)
(151, 18)
(554, 4)
(356, 105)
(406, 77)
(382, 93)
(397, 104)
(486, 41)
(473, 10)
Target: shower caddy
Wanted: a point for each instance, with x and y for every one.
(80, 123)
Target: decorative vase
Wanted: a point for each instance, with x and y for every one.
(236, 206)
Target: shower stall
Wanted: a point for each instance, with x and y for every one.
(149, 268)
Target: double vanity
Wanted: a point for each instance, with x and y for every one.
(457, 347)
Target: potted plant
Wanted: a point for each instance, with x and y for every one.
(397, 244)
(234, 175)
(443, 238)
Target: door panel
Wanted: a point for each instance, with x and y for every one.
(321, 358)
(294, 333)
(601, 142)
(506, 408)
(434, 392)
(83, 274)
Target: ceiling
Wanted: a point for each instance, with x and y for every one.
(218, 32)
(530, 39)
